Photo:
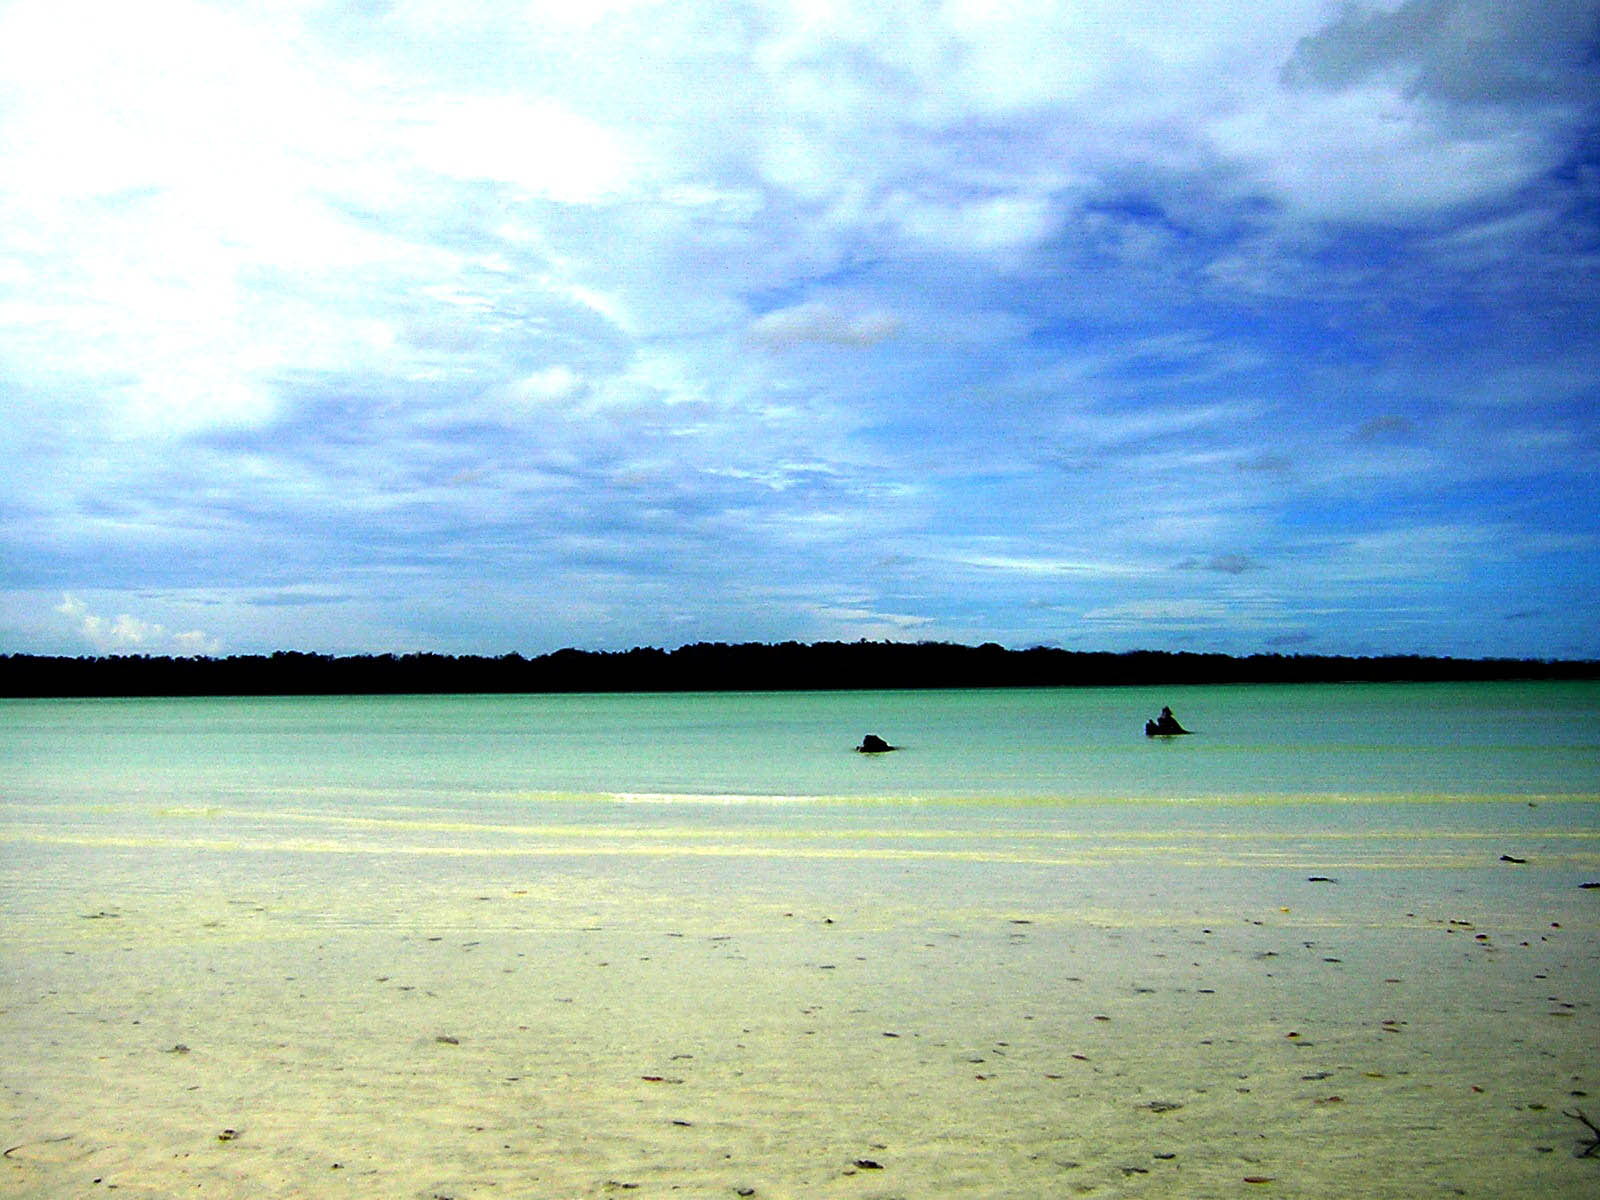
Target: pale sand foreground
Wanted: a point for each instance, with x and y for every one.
(839, 1025)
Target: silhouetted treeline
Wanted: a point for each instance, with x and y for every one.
(787, 666)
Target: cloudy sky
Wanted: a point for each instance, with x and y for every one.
(484, 326)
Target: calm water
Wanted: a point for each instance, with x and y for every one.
(1031, 745)
(1384, 775)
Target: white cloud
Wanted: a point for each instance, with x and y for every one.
(127, 634)
(1413, 552)
(984, 224)
(1048, 567)
(847, 621)
(1179, 612)
(538, 145)
(548, 385)
(171, 211)
(819, 323)
(1376, 153)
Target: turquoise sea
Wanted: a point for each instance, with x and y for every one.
(509, 772)
(696, 944)
(1487, 739)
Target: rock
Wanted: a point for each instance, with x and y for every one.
(873, 744)
(1166, 725)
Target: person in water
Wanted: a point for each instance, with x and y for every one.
(1165, 724)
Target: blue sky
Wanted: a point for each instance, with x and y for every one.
(485, 326)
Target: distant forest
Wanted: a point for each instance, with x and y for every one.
(789, 666)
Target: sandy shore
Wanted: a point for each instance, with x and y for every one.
(775, 1024)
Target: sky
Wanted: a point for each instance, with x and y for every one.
(478, 327)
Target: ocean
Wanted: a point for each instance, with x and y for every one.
(572, 945)
(1483, 739)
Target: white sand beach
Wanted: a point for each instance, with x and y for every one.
(774, 1015)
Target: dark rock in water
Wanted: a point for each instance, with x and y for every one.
(1166, 725)
(873, 744)
(1509, 859)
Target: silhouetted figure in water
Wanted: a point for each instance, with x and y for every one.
(1166, 725)
(873, 744)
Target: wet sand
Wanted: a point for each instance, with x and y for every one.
(782, 1017)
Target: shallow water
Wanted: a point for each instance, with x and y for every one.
(694, 944)
(1478, 739)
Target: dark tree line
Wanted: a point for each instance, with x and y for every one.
(788, 666)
